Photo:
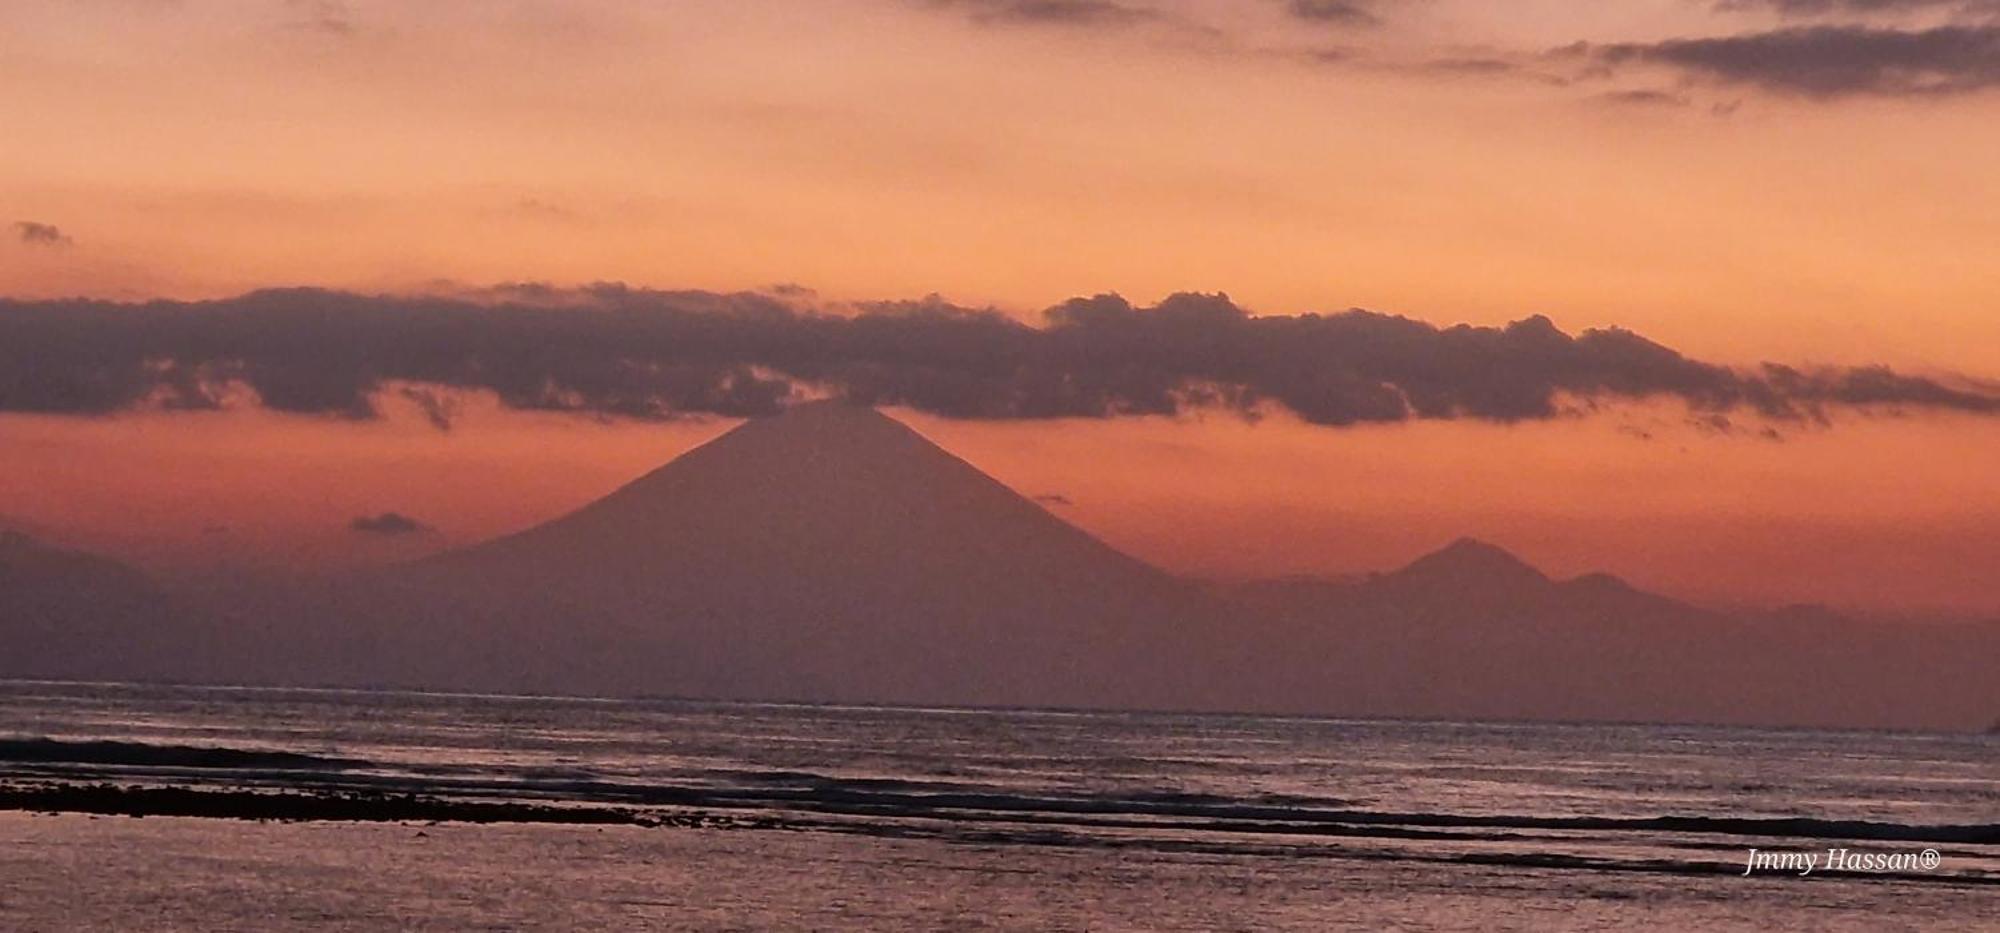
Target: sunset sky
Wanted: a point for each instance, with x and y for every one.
(1802, 182)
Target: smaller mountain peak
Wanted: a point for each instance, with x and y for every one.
(1473, 550)
(1470, 545)
(1471, 560)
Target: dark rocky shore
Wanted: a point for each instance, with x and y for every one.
(352, 806)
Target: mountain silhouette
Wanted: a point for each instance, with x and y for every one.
(1469, 572)
(1468, 562)
(69, 614)
(1471, 630)
(828, 552)
(826, 489)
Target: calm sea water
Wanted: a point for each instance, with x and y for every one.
(885, 818)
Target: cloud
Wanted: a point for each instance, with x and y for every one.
(1083, 13)
(1804, 9)
(615, 351)
(1462, 65)
(1644, 97)
(1470, 66)
(1090, 16)
(387, 524)
(41, 234)
(1344, 13)
(327, 17)
(1826, 61)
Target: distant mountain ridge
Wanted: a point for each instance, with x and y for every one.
(832, 553)
(1472, 631)
(70, 614)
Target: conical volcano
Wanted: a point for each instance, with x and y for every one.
(826, 553)
(826, 490)
(1468, 568)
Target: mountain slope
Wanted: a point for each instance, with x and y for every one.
(826, 553)
(68, 614)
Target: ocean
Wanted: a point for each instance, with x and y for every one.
(151, 807)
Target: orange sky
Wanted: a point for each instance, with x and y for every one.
(896, 148)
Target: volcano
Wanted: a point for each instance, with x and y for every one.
(829, 552)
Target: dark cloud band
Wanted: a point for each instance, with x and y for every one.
(1828, 61)
(1081, 13)
(1345, 13)
(1862, 8)
(610, 350)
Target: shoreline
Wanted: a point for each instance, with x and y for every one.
(104, 799)
(344, 806)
